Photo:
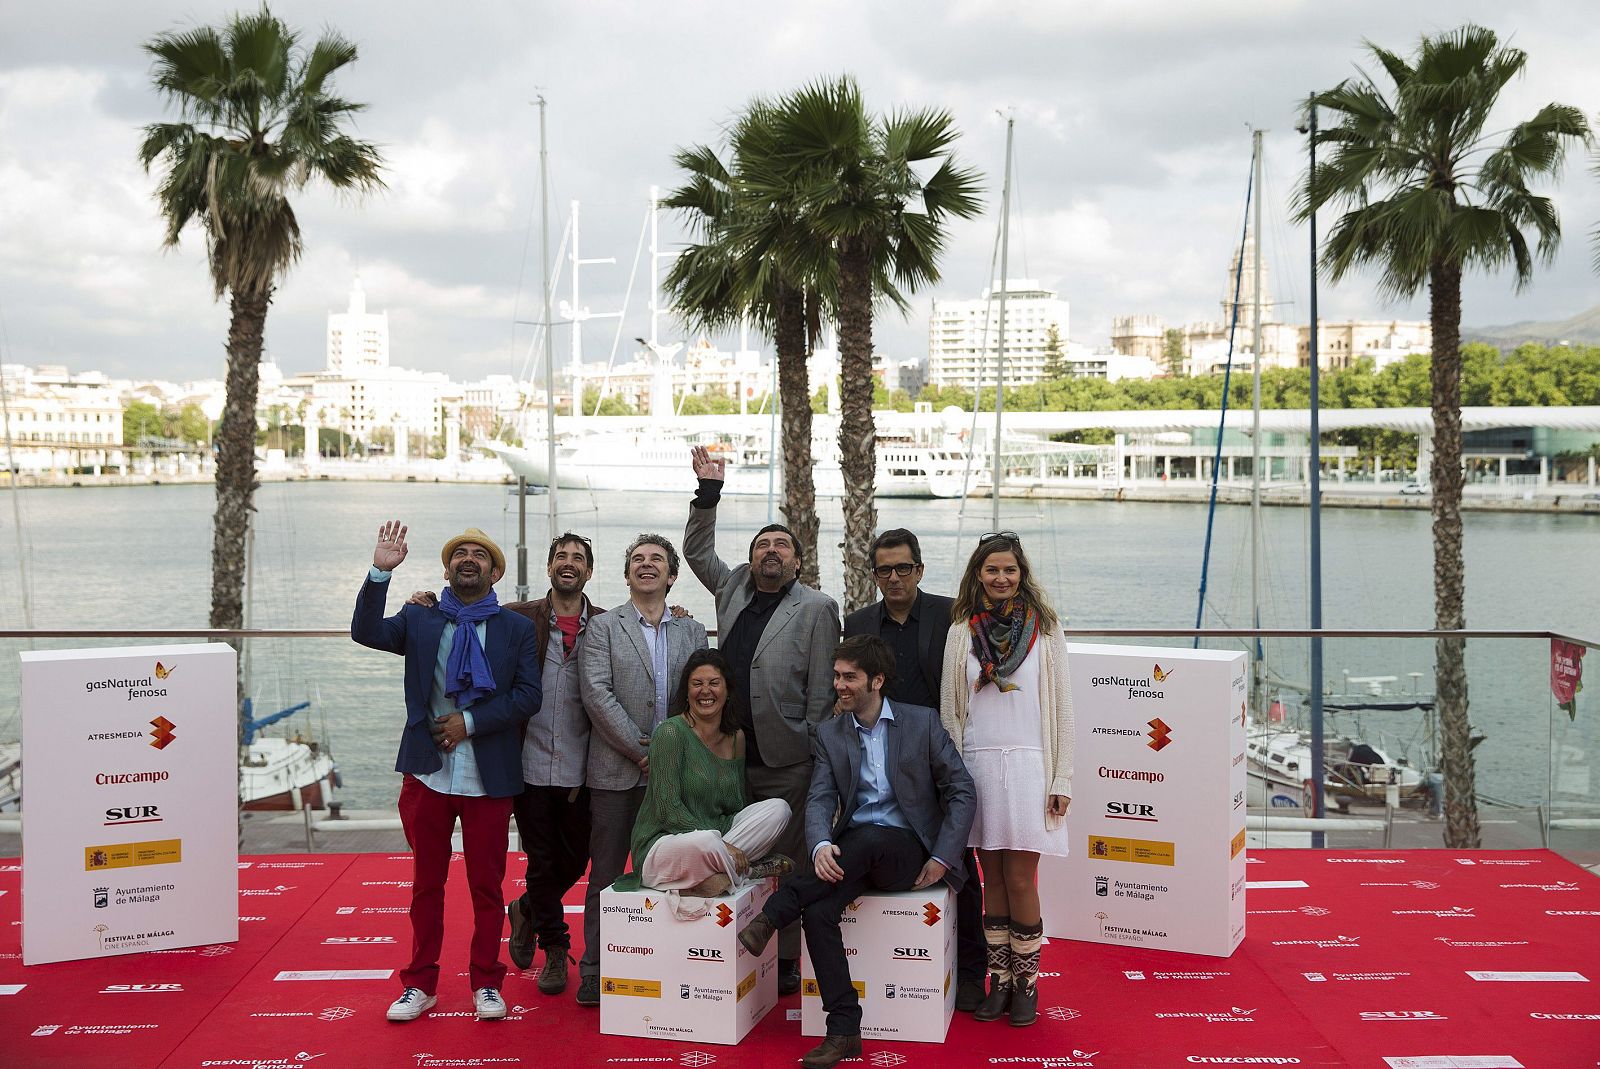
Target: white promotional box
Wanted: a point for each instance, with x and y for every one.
(666, 978)
(1157, 823)
(901, 946)
(131, 789)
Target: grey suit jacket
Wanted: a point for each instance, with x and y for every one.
(619, 690)
(791, 677)
(931, 784)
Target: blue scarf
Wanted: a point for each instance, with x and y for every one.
(467, 674)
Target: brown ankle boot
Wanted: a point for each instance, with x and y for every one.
(997, 942)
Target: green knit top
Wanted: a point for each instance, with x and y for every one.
(689, 789)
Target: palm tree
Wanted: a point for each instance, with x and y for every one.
(1427, 193)
(852, 179)
(740, 270)
(258, 120)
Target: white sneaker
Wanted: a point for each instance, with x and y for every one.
(490, 1007)
(411, 1004)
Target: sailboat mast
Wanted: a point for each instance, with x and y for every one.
(552, 520)
(1000, 348)
(1257, 679)
(655, 268)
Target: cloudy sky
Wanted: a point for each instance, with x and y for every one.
(1132, 130)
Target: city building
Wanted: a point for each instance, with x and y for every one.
(963, 335)
(1340, 344)
(359, 392)
(56, 419)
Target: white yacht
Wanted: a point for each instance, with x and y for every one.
(911, 462)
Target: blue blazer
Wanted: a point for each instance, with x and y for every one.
(497, 720)
(931, 784)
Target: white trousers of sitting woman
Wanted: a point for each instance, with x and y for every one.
(679, 862)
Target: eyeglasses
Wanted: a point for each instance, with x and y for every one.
(990, 536)
(884, 571)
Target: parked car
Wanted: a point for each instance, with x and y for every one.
(1413, 489)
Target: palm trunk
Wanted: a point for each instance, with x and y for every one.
(1460, 777)
(857, 434)
(236, 459)
(794, 393)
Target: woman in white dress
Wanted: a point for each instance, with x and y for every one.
(1007, 705)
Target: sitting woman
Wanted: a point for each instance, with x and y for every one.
(696, 832)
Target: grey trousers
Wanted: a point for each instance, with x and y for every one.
(611, 817)
(791, 783)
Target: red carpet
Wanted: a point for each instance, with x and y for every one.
(1410, 960)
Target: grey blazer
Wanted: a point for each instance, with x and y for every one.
(791, 676)
(619, 690)
(931, 784)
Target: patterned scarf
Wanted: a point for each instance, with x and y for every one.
(1002, 635)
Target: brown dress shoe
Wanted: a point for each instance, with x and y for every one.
(521, 944)
(831, 1051)
(757, 934)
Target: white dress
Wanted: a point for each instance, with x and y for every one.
(1004, 751)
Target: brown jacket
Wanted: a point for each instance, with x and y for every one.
(538, 610)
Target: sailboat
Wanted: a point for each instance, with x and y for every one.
(283, 773)
(1280, 752)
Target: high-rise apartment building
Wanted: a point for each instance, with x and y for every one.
(963, 336)
(357, 339)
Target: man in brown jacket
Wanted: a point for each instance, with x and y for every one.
(552, 812)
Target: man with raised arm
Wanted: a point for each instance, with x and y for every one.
(889, 809)
(471, 682)
(630, 661)
(778, 636)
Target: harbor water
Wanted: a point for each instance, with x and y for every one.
(139, 557)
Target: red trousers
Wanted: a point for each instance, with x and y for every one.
(429, 819)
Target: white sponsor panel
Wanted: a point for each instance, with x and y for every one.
(1529, 977)
(1157, 845)
(334, 974)
(901, 946)
(1454, 1061)
(131, 839)
(690, 980)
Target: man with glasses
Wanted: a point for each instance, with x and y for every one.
(915, 623)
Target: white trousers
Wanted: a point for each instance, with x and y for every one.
(676, 862)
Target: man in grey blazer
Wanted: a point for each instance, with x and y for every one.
(629, 662)
(889, 808)
(778, 635)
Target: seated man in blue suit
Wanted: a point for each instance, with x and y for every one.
(471, 683)
(904, 805)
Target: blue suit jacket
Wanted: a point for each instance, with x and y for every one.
(497, 720)
(931, 784)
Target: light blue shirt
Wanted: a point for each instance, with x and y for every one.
(459, 772)
(875, 801)
(655, 638)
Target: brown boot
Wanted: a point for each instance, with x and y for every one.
(1025, 940)
(997, 942)
(831, 1051)
(553, 976)
(771, 865)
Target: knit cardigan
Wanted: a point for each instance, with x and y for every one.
(1055, 705)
